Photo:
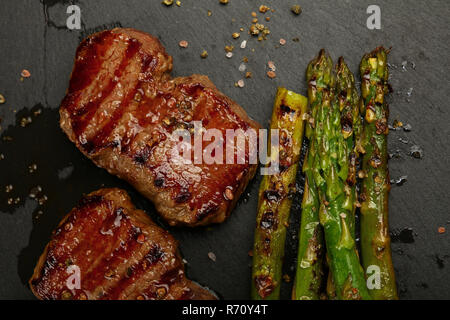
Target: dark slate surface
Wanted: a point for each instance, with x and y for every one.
(33, 36)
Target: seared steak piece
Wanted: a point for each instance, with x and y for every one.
(118, 252)
(120, 110)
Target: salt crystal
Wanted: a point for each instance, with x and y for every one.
(212, 256)
(404, 64)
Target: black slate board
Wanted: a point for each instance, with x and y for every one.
(34, 37)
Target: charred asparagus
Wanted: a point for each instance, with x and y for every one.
(308, 277)
(375, 239)
(275, 196)
(309, 273)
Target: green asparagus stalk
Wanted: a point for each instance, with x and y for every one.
(275, 196)
(309, 272)
(375, 239)
(347, 98)
(330, 171)
(308, 277)
(331, 288)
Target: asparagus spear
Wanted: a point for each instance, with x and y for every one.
(331, 288)
(275, 196)
(330, 173)
(375, 239)
(308, 277)
(347, 98)
(348, 101)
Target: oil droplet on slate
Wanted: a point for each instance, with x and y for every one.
(396, 154)
(416, 152)
(407, 127)
(405, 235)
(392, 66)
(439, 261)
(400, 180)
(403, 140)
(409, 92)
(423, 285)
(404, 64)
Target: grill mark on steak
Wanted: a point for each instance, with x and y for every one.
(112, 223)
(159, 182)
(90, 201)
(137, 272)
(206, 210)
(125, 254)
(141, 156)
(99, 140)
(130, 261)
(155, 254)
(166, 283)
(84, 73)
(183, 196)
(89, 66)
(116, 260)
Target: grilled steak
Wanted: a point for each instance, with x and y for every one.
(120, 110)
(119, 254)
